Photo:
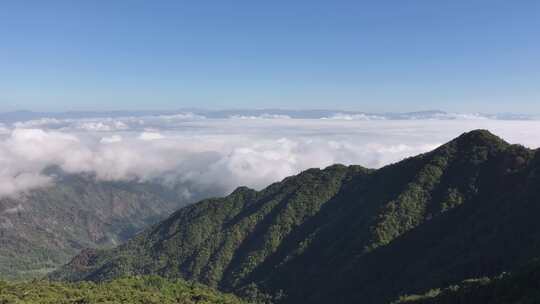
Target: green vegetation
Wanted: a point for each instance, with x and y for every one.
(143, 290)
(349, 234)
(43, 229)
(522, 287)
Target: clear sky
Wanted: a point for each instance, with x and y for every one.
(461, 55)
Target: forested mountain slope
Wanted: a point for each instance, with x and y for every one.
(44, 228)
(521, 287)
(350, 234)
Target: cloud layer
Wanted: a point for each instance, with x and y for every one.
(210, 156)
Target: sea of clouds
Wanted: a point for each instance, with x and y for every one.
(209, 153)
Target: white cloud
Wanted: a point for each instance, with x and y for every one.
(111, 139)
(182, 116)
(361, 116)
(274, 116)
(99, 126)
(262, 116)
(4, 129)
(12, 185)
(213, 156)
(37, 123)
(147, 136)
(460, 116)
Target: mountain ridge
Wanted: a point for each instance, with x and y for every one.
(326, 235)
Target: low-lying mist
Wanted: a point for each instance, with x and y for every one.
(215, 155)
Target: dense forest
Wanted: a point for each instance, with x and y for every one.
(133, 290)
(521, 287)
(349, 234)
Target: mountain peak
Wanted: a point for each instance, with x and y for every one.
(242, 190)
(481, 137)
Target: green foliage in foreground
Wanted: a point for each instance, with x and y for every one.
(142, 289)
(523, 287)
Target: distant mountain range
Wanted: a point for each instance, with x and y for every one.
(17, 116)
(468, 209)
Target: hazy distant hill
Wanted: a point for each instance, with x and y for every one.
(18, 116)
(44, 228)
(348, 234)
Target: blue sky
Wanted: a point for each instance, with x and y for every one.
(374, 56)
